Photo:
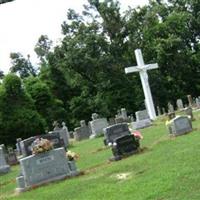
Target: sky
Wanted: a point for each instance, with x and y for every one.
(22, 22)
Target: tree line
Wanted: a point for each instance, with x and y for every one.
(85, 72)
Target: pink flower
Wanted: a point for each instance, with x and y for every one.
(137, 134)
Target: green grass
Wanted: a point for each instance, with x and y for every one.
(167, 169)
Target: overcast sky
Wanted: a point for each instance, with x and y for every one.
(22, 22)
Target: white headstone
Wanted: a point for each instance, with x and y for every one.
(179, 104)
(141, 115)
(4, 167)
(97, 126)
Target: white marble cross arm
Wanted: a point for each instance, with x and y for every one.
(131, 69)
(152, 66)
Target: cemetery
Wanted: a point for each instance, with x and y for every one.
(143, 167)
(109, 110)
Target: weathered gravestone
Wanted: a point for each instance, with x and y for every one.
(142, 120)
(19, 150)
(122, 142)
(71, 134)
(141, 115)
(121, 116)
(97, 125)
(179, 104)
(190, 101)
(43, 168)
(12, 157)
(26, 147)
(82, 132)
(64, 127)
(179, 125)
(197, 101)
(170, 107)
(61, 134)
(111, 121)
(4, 167)
(158, 110)
(119, 119)
(188, 111)
(163, 111)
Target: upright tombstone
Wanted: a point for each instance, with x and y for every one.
(19, 150)
(54, 137)
(158, 111)
(180, 125)
(190, 101)
(171, 116)
(62, 134)
(82, 132)
(56, 126)
(26, 146)
(197, 101)
(43, 168)
(111, 121)
(124, 113)
(170, 107)
(179, 104)
(141, 115)
(142, 120)
(163, 111)
(113, 132)
(142, 69)
(121, 117)
(4, 167)
(71, 134)
(64, 127)
(12, 157)
(97, 125)
(188, 111)
(120, 139)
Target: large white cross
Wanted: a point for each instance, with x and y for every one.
(142, 69)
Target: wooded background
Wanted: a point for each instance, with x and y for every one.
(85, 73)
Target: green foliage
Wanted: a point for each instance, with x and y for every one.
(85, 73)
(18, 116)
(21, 65)
(48, 107)
(42, 48)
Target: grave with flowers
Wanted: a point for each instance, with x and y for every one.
(45, 165)
(122, 142)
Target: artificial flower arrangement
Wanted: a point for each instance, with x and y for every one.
(72, 155)
(137, 134)
(41, 145)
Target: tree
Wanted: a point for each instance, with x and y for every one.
(18, 117)
(21, 65)
(49, 107)
(42, 48)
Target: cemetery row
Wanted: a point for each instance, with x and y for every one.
(44, 159)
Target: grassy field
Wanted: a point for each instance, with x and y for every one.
(166, 169)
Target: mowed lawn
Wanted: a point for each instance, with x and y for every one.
(166, 169)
